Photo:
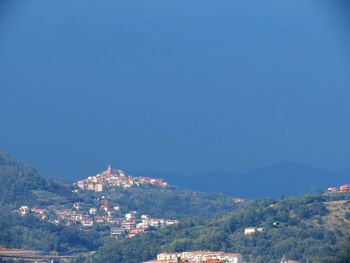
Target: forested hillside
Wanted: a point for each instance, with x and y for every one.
(22, 185)
(171, 202)
(313, 228)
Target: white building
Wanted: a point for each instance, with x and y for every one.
(249, 230)
(200, 256)
(98, 187)
(24, 210)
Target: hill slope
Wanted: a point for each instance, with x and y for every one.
(21, 185)
(310, 227)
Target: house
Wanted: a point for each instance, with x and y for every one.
(129, 216)
(171, 222)
(110, 220)
(129, 225)
(23, 210)
(332, 189)
(87, 222)
(345, 188)
(92, 211)
(147, 221)
(249, 230)
(104, 207)
(116, 231)
(159, 181)
(98, 187)
(157, 222)
(285, 260)
(90, 186)
(77, 205)
(100, 219)
(231, 257)
(81, 184)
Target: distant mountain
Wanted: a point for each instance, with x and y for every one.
(282, 179)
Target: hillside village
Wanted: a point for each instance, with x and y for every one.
(128, 224)
(85, 216)
(117, 222)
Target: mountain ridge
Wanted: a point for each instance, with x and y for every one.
(282, 179)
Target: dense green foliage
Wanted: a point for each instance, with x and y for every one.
(21, 184)
(171, 202)
(32, 233)
(292, 226)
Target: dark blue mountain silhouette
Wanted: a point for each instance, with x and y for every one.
(282, 179)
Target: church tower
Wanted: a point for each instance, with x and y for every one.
(109, 170)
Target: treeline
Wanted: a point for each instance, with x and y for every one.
(171, 202)
(22, 185)
(295, 227)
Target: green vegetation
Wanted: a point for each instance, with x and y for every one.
(33, 233)
(302, 228)
(21, 185)
(310, 227)
(171, 202)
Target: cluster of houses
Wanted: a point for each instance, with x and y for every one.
(342, 189)
(204, 257)
(23, 210)
(113, 177)
(86, 216)
(128, 225)
(198, 257)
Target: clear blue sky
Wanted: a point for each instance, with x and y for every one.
(180, 86)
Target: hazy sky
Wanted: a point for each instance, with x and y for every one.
(180, 86)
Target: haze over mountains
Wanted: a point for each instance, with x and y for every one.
(282, 179)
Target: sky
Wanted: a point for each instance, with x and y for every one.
(177, 86)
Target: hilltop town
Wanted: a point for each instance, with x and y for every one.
(116, 178)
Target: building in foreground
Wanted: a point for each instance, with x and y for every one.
(197, 257)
